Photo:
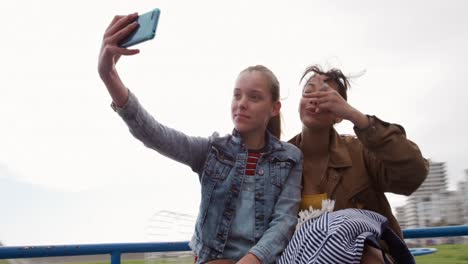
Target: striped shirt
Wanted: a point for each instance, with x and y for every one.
(252, 161)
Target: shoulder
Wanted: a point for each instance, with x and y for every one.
(349, 145)
(290, 151)
(291, 148)
(217, 139)
(295, 140)
(351, 141)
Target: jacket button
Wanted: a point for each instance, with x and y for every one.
(261, 172)
(228, 212)
(260, 217)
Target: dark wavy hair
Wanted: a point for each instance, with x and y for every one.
(334, 75)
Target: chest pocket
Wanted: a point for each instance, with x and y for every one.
(218, 164)
(280, 168)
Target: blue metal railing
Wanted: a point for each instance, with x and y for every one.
(115, 250)
(442, 231)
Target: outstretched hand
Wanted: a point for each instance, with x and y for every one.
(119, 29)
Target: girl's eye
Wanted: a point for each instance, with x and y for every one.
(308, 88)
(255, 97)
(237, 95)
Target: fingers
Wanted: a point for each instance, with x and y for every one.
(316, 94)
(323, 101)
(123, 33)
(120, 22)
(123, 51)
(324, 87)
(119, 28)
(324, 107)
(115, 19)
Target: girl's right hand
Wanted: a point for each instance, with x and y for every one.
(119, 29)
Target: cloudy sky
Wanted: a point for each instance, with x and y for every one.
(70, 172)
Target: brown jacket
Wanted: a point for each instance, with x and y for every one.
(381, 159)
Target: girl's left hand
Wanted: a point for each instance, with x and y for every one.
(329, 100)
(249, 259)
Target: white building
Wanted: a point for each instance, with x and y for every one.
(431, 204)
(435, 182)
(446, 209)
(463, 194)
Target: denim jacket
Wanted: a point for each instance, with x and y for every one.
(220, 163)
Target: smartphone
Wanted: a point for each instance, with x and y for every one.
(148, 22)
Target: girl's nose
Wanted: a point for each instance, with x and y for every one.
(242, 103)
(311, 101)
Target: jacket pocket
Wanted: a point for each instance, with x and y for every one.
(218, 164)
(280, 167)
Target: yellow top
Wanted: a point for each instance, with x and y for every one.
(314, 200)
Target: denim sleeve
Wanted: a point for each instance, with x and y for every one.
(284, 219)
(167, 141)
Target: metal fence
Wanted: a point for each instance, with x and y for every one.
(116, 250)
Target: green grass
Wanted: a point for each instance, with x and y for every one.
(446, 254)
(186, 260)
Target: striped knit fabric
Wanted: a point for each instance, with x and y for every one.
(340, 236)
(252, 160)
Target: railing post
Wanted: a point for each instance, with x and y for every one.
(115, 257)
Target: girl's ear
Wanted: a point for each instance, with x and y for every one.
(276, 108)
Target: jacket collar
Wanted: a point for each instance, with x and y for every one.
(339, 154)
(272, 142)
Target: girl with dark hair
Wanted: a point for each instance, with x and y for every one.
(353, 171)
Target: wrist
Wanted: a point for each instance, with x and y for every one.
(254, 258)
(115, 87)
(108, 76)
(360, 120)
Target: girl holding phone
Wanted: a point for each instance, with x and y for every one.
(250, 181)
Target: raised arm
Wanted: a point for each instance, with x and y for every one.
(394, 162)
(169, 142)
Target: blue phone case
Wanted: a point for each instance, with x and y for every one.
(148, 22)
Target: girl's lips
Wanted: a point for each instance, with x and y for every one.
(242, 116)
(311, 111)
